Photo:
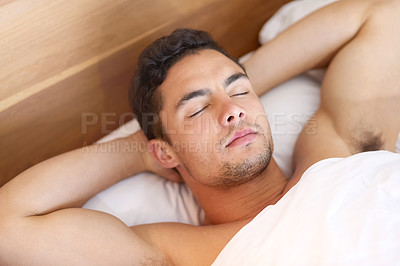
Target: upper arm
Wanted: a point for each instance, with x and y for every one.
(362, 75)
(312, 42)
(85, 237)
(73, 237)
(319, 140)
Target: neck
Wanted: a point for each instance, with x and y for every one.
(244, 201)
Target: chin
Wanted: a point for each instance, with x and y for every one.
(235, 174)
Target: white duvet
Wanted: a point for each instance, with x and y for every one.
(343, 211)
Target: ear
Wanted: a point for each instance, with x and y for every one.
(163, 153)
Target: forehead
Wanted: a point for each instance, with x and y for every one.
(205, 69)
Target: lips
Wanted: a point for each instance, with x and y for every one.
(241, 137)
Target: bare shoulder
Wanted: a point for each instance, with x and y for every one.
(184, 244)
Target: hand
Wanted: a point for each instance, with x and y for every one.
(150, 164)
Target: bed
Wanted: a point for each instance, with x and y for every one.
(315, 232)
(83, 100)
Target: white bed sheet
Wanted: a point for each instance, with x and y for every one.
(343, 211)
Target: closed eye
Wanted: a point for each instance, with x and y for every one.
(198, 112)
(240, 93)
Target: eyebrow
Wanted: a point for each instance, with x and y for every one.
(191, 95)
(233, 78)
(205, 92)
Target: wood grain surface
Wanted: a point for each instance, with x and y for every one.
(66, 65)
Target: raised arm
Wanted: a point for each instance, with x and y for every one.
(310, 43)
(39, 221)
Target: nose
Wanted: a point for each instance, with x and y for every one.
(231, 114)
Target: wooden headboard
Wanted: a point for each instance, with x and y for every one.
(66, 65)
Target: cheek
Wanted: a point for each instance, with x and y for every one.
(256, 114)
(198, 143)
(255, 110)
(256, 104)
(182, 128)
(203, 127)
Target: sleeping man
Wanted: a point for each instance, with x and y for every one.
(206, 126)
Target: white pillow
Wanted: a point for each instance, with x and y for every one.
(288, 15)
(147, 198)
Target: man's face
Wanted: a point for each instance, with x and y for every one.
(217, 126)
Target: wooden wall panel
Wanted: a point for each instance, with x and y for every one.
(64, 59)
(43, 38)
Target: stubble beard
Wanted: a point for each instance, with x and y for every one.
(234, 174)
